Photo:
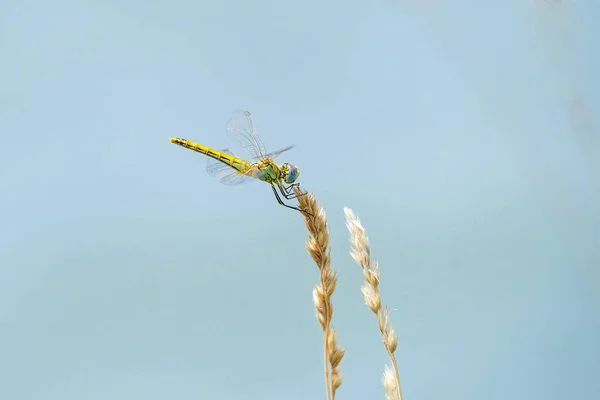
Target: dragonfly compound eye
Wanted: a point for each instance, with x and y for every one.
(292, 173)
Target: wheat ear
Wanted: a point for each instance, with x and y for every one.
(361, 253)
(318, 247)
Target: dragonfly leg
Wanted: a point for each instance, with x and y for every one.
(288, 192)
(285, 205)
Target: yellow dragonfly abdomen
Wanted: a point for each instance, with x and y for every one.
(234, 162)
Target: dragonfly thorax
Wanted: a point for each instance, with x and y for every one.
(267, 170)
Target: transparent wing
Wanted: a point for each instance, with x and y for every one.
(273, 155)
(235, 179)
(227, 175)
(241, 129)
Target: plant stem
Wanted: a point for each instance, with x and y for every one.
(395, 365)
(326, 359)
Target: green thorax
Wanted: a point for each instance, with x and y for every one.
(269, 171)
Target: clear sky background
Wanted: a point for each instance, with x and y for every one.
(462, 133)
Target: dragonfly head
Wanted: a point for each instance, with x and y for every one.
(289, 173)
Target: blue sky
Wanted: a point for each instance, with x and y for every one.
(452, 130)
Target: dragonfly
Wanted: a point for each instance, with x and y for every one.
(232, 170)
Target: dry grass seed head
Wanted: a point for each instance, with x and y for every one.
(361, 253)
(318, 248)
